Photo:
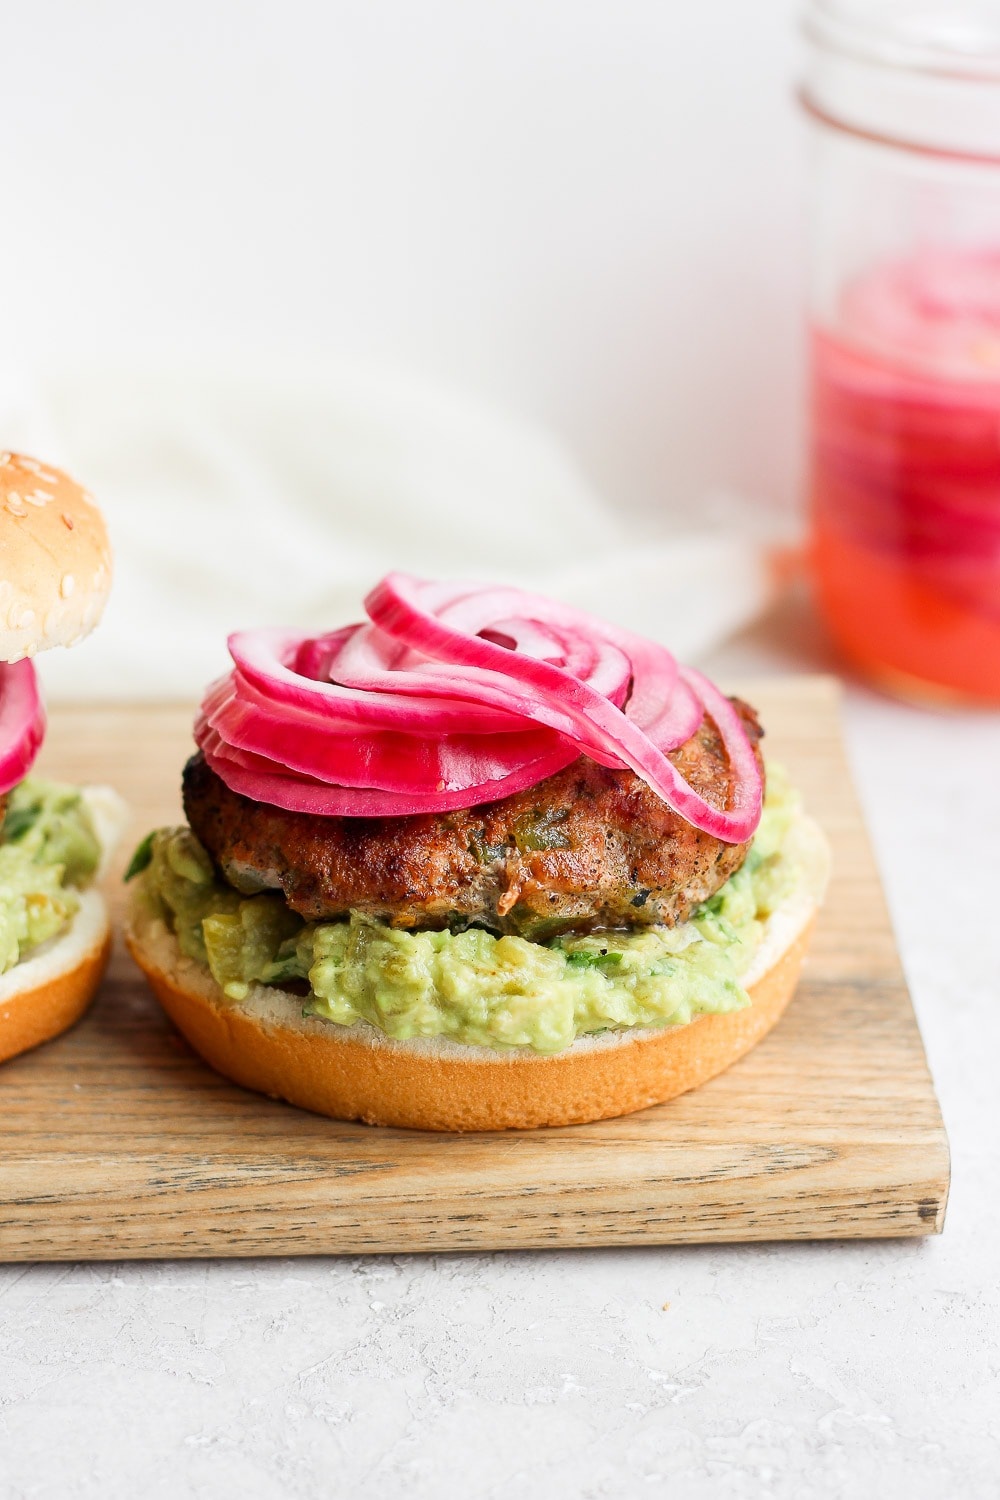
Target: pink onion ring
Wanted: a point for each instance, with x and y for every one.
(266, 781)
(452, 695)
(22, 722)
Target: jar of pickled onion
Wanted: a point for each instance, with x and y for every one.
(903, 100)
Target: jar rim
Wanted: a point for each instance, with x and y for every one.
(954, 40)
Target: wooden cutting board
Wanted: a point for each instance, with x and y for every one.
(117, 1142)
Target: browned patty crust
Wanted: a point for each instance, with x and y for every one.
(586, 848)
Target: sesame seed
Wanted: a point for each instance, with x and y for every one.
(39, 498)
(67, 521)
(26, 618)
(46, 476)
(67, 585)
(4, 460)
(15, 507)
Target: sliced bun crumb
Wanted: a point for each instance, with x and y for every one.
(56, 555)
(357, 1073)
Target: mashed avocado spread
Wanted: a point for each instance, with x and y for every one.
(47, 847)
(472, 986)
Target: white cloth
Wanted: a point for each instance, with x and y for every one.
(240, 498)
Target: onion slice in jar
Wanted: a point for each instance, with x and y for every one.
(22, 721)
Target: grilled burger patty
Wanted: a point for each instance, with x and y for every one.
(587, 848)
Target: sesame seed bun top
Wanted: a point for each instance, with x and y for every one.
(55, 559)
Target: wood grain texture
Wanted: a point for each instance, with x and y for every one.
(119, 1142)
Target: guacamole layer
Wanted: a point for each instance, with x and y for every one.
(472, 986)
(48, 851)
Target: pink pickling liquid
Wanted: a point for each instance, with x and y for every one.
(905, 483)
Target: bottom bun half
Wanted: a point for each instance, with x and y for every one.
(49, 991)
(357, 1073)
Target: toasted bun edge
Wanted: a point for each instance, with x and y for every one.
(49, 991)
(357, 1073)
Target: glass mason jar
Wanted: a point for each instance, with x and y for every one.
(903, 100)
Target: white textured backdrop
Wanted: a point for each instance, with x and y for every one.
(586, 211)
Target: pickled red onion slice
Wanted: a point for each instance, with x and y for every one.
(453, 695)
(263, 780)
(399, 604)
(22, 721)
(387, 759)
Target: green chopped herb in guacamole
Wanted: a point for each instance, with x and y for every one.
(48, 850)
(472, 986)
